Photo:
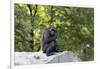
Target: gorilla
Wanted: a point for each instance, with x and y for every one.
(48, 41)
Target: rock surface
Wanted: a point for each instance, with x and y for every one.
(23, 58)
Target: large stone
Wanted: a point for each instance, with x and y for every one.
(22, 58)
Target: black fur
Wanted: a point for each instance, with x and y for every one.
(48, 42)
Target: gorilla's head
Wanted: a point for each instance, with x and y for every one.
(52, 30)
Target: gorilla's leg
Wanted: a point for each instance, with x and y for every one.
(57, 49)
(50, 49)
(45, 48)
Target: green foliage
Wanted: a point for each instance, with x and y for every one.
(75, 27)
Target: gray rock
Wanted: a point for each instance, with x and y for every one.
(23, 58)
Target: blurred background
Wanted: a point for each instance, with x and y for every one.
(75, 27)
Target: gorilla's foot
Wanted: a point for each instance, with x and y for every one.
(49, 54)
(58, 50)
(44, 51)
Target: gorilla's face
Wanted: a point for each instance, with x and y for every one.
(52, 30)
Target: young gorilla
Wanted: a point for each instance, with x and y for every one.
(49, 45)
